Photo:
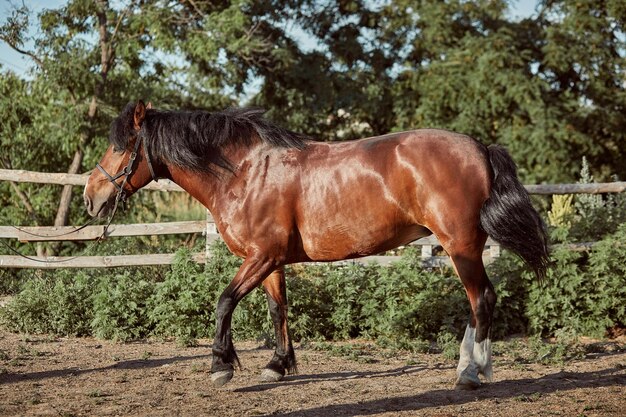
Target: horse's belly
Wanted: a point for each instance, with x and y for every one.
(339, 242)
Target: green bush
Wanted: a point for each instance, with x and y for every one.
(406, 301)
(395, 303)
(511, 280)
(582, 293)
(181, 305)
(58, 304)
(120, 307)
(607, 269)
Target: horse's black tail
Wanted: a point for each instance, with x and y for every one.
(509, 217)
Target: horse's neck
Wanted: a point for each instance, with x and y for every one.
(210, 189)
(204, 187)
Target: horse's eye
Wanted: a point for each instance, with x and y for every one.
(117, 149)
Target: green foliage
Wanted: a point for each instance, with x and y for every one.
(556, 303)
(586, 217)
(49, 303)
(582, 292)
(120, 307)
(181, 305)
(396, 303)
(406, 300)
(449, 345)
(607, 270)
(511, 281)
(566, 346)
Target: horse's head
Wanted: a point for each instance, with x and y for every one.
(125, 166)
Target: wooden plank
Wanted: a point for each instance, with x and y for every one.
(18, 175)
(65, 233)
(8, 232)
(51, 233)
(596, 188)
(14, 261)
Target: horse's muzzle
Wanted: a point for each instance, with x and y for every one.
(98, 207)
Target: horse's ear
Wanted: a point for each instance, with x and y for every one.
(149, 105)
(140, 114)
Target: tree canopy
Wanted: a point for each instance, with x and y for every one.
(550, 87)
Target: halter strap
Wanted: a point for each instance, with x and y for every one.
(128, 169)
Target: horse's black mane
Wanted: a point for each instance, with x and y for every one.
(195, 139)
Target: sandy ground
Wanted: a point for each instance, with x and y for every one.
(42, 375)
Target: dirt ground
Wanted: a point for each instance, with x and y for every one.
(86, 377)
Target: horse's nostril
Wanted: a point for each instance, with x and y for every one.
(88, 203)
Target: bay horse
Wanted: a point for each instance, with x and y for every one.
(278, 198)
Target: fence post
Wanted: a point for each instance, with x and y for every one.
(207, 232)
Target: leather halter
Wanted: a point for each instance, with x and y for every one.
(127, 171)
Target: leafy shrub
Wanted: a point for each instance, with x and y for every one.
(310, 304)
(449, 345)
(407, 301)
(251, 318)
(120, 307)
(58, 304)
(511, 280)
(584, 293)
(181, 305)
(395, 303)
(595, 215)
(11, 280)
(607, 271)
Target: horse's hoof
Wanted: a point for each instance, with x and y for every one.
(220, 378)
(466, 383)
(270, 375)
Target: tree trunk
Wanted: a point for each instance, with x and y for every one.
(63, 212)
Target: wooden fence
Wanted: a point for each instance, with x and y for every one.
(39, 234)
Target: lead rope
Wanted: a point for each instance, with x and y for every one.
(93, 219)
(84, 252)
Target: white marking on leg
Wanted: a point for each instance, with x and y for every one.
(482, 357)
(467, 370)
(467, 346)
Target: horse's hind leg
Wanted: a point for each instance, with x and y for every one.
(475, 352)
(284, 359)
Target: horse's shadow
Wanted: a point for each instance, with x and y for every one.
(523, 388)
(302, 379)
(9, 378)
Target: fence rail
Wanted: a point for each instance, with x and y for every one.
(18, 175)
(46, 234)
(166, 185)
(66, 233)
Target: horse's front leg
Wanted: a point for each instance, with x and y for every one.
(252, 272)
(284, 359)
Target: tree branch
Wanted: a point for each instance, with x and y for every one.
(195, 6)
(29, 54)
